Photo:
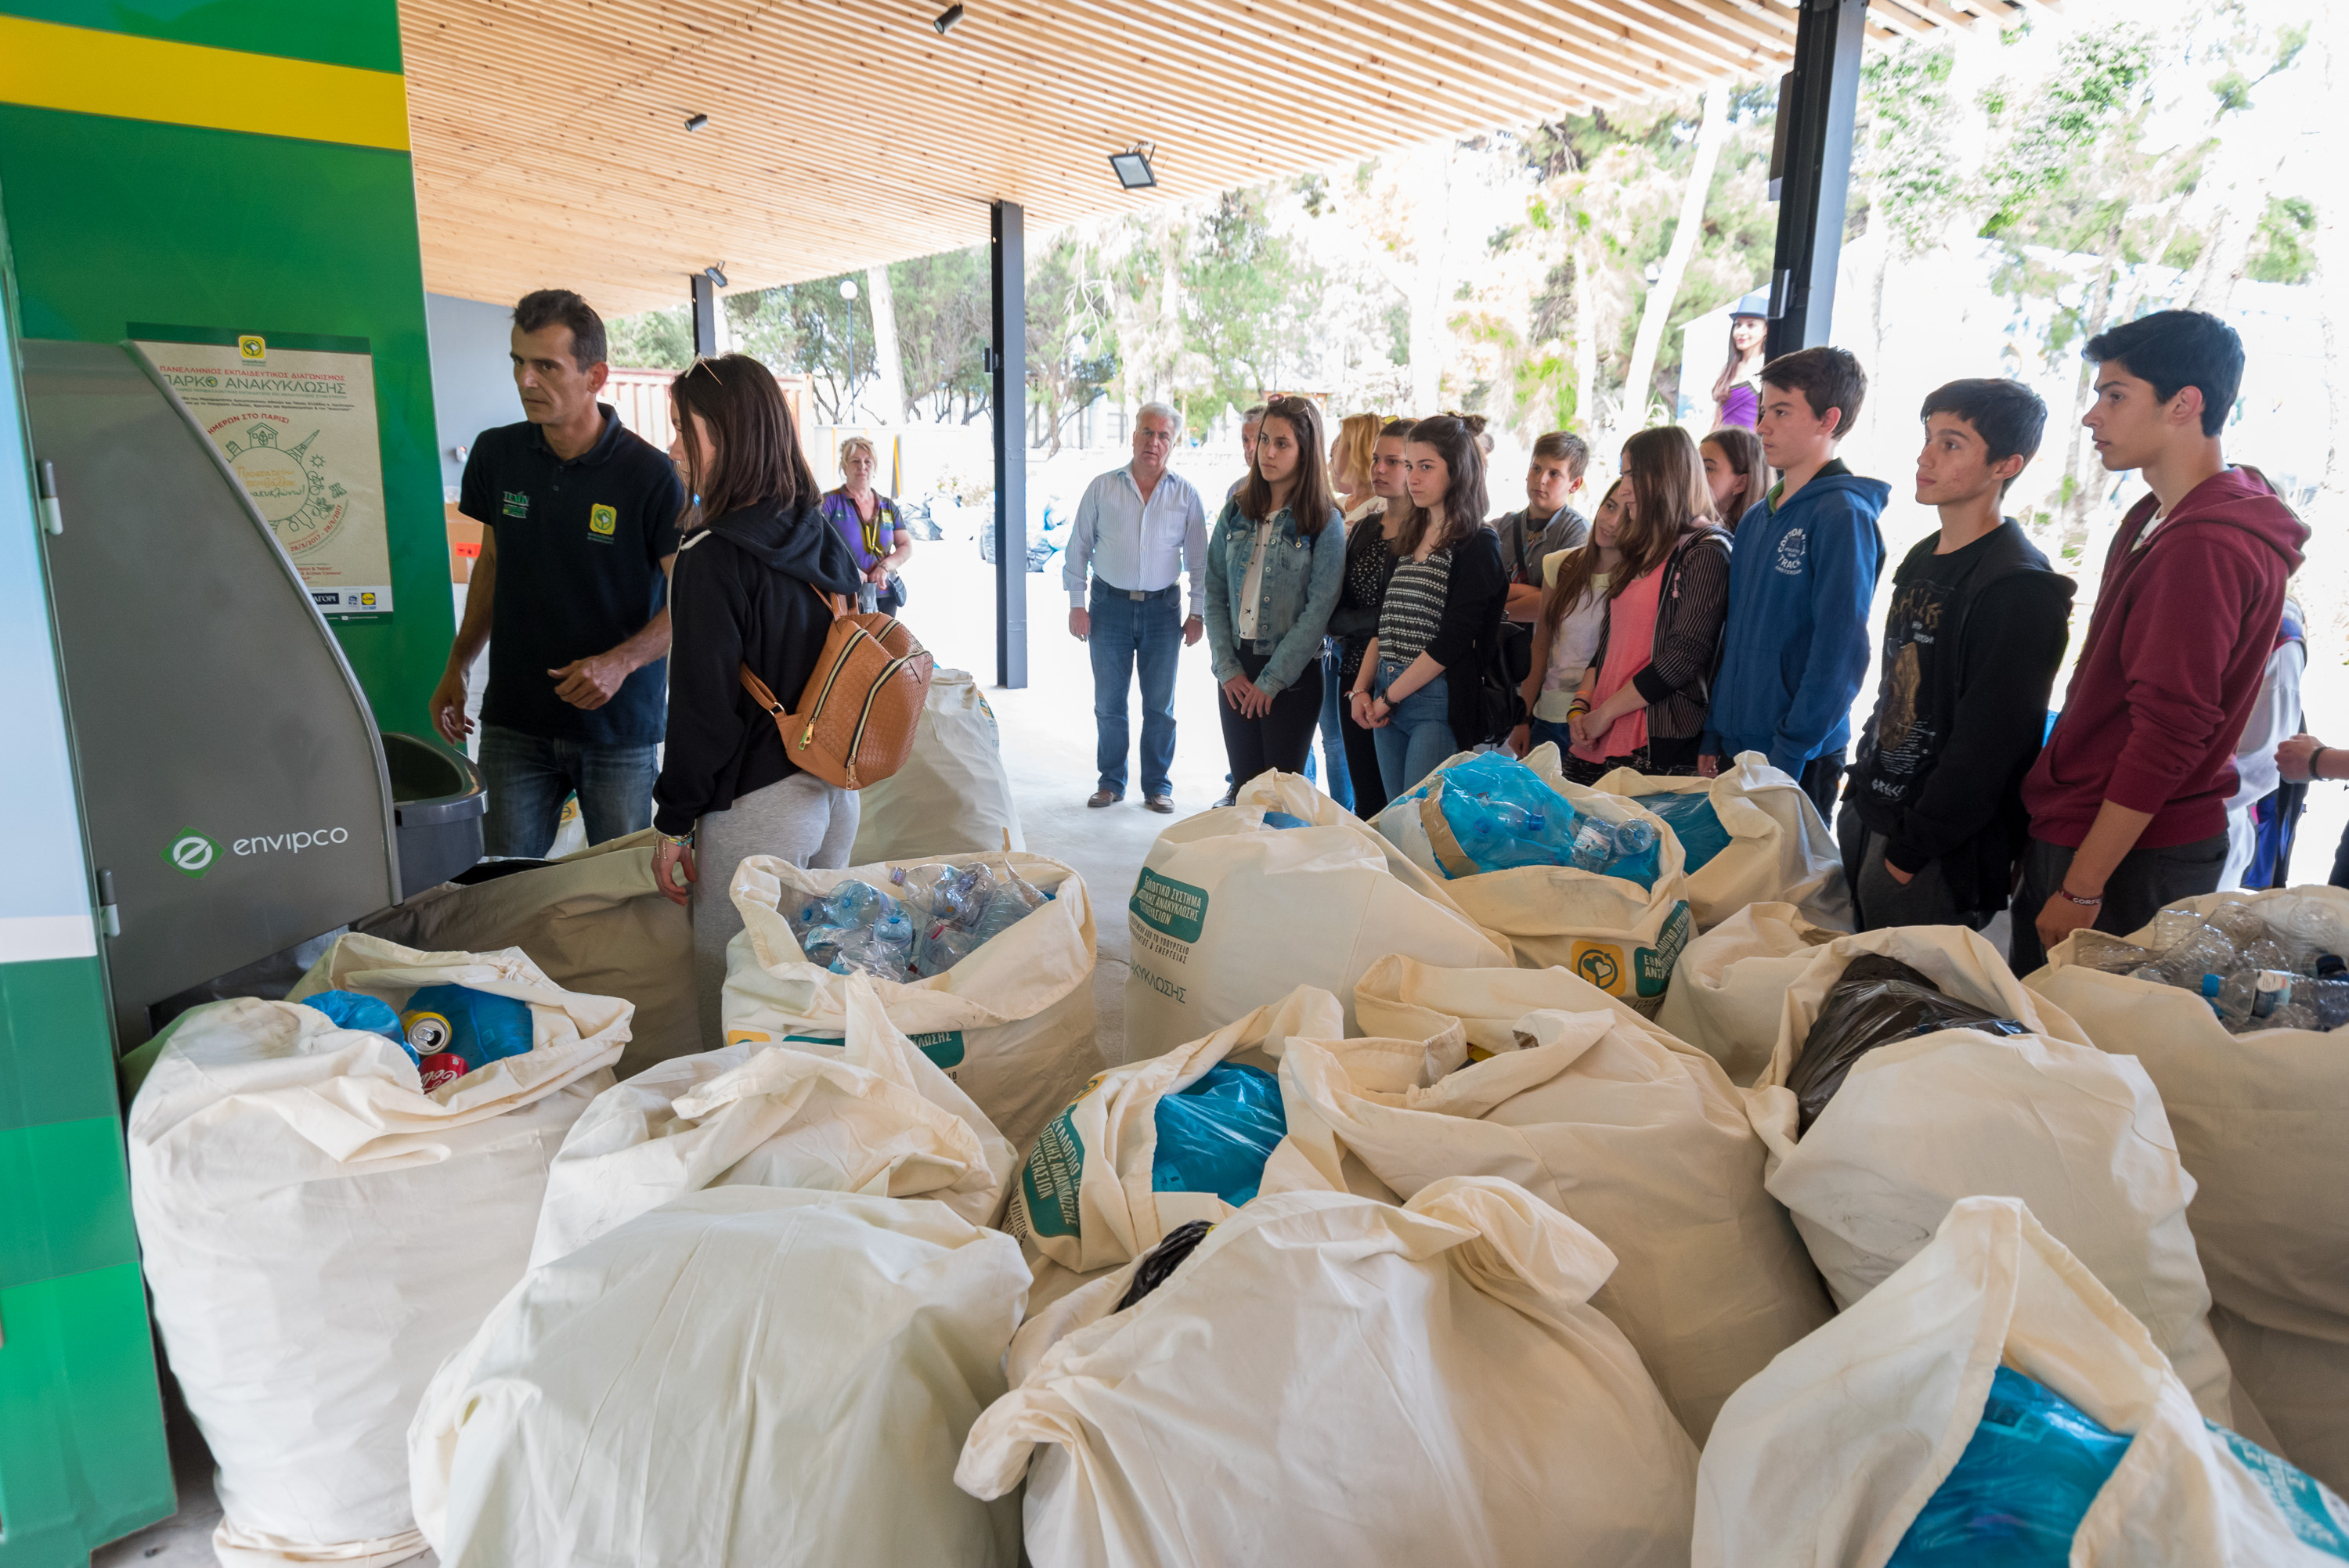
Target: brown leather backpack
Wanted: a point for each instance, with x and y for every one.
(857, 717)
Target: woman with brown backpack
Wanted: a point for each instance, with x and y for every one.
(751, 591)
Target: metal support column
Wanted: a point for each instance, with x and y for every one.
(1811, 170)
(1008, 359)
(705, 313)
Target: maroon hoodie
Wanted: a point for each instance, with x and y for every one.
(2171, 664)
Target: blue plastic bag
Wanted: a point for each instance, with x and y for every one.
(1695, 822)
(457, 1020)
(1502, 815)
(1214, 1135)
(357, 1010)
(1283, 820)
(2020, 1489)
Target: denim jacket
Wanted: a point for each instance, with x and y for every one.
(1301, 579)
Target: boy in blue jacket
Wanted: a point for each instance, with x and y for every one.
(1795, 650)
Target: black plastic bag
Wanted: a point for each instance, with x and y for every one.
(1159, 1263)
(1877, 1000)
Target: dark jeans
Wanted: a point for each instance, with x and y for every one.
(1417, 736)
(1282, 737)
(2139, 888)
(1128, 632)
(1361, 758)
(1822, 780)
(529, 776)
(1883, 900)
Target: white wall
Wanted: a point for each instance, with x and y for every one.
(473, 378)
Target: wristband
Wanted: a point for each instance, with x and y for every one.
(1578, 706)
(682, 841)
(2317, 762)
(2068, 896)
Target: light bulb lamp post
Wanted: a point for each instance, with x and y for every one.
(848, 294)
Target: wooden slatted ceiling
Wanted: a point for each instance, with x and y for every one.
(551, 147)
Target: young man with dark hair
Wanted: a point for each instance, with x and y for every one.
(2129, 801)
(1793, 650)
(1932, 820)
(1547, 522)
(571, 593)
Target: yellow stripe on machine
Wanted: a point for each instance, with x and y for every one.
(46, 65)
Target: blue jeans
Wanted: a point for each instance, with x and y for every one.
(1417, 736)
(1126, 633)
(528, 777)
(1541, 729)
(1333, 737)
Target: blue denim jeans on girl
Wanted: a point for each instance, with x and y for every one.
(1418, 733)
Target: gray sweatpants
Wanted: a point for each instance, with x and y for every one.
(802, 820)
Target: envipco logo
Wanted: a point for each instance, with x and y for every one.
(192, 852)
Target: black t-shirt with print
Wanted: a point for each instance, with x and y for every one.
(580, 545)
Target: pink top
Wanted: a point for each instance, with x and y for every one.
(1630, 640)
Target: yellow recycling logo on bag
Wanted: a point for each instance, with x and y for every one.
(603, 521)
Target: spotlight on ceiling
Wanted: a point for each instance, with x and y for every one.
(697, 122)
(947, 19)
(1133, 166)
(716, 273)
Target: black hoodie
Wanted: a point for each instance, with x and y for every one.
(740, 593)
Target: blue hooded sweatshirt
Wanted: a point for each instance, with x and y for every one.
(1796, 647)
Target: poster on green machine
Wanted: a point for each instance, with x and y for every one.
(295, 416)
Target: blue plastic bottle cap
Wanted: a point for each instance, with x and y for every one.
(2211, 983)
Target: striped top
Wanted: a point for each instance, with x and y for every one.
(1414, 607)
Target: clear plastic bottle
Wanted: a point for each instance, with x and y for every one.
(1594, 843)
(1636, 837)
(2239, 922)
(2267, 953)
(2206, 950)
(2328, 1001)
(2172, 926)
(2292, 1016)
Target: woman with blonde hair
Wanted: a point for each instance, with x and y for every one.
(1643, 698)
(869, 522)
(1353, 452)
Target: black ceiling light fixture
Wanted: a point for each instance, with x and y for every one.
(696, 121)
(946, 20)
(1133, 166)
(716, 273)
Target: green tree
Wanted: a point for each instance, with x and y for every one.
(945, 324)
(1247, 301)
(653, 339)
(1072, 338)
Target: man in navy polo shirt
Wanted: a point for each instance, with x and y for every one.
(571, 593)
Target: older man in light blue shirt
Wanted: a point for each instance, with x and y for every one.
(1138, 529)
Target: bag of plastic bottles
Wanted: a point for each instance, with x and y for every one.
(1216, 1135)
(1159, 1142)
(1596, 885)
(2255, 1113)
(1748, 836)
(1901, 1430)
(2022, 1487)
(995, 984)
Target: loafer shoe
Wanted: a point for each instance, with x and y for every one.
(1161, 804)
(1100, 798)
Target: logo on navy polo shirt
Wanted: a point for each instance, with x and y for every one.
(603, 521)
(517, 503)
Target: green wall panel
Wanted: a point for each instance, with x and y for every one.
(332, 32)
(79, 1348)
(117, 221)
(55, 1041)
(68, 1202)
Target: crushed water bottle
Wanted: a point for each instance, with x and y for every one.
(883, 950)
(2258, 967)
